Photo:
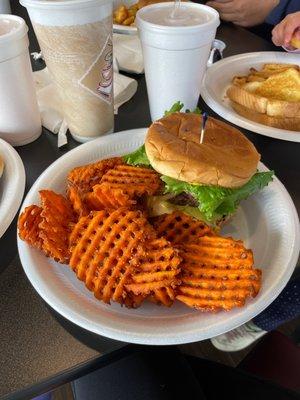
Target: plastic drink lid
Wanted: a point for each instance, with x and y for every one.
(13, 36)
(65, 4)
(211, 20)
(11, 28)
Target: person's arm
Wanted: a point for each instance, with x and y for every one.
(245, 13)
(286, 29)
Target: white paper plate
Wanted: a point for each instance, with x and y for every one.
(128, 30)
(218, 78)
(267, 222)
(12, 185)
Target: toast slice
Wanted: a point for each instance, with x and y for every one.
(295, 42)
(292, 124)
(273, 91)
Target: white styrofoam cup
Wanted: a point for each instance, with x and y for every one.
(5, 7)
(20, 121)
(175, 57)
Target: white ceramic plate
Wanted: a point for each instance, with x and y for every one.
(218, 78)
(267, 222)
(128, 30)
(12, 185)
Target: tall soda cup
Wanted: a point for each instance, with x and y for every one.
(75, 37)
(176, 48)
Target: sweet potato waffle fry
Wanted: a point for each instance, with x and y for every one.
(134, 181)
(100, 230)
(179, 228)
(28, 226)
(103, 196)
(217, 274)
(156, 274)
(48, 227)
(86, 176)
(57, 216)
(104, 247)
(77, 201)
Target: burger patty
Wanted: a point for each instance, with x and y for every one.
(184, 199)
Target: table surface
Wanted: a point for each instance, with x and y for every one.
(41, 350)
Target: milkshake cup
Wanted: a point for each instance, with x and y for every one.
(175, 52)
(75, 37)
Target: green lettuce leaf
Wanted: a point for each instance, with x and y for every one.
(178, 106)
(196, 111)
(214, 201)
(138, 157)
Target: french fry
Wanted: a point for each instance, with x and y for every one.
(121, 14)
(217, 274)
(86, 176)
(128, 21)
(156, 272)
(57, 218)
(28, 226)
(125, 15)
(104, 246)
(180, 228)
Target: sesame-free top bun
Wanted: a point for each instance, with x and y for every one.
(225, 158)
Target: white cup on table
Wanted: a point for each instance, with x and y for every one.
(20, 121)
(175, 57)
(75, 37)
(5, 7)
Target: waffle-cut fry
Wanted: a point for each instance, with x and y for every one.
(164, 296)
(180, 228)
(134, 181)
(105, 197)
(57, 217)
(105, 246)
(86, 176)
(133, 301)
(217, 274)
(28, 225)
(157, 272)
(77, 201)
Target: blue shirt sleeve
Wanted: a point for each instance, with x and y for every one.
(284, 8)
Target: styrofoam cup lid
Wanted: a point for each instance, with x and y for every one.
(61, 4)
(211, 22)
(12, 28)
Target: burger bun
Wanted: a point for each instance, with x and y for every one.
(225, 158)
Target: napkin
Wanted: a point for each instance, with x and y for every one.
(128, 52)
(50, 110)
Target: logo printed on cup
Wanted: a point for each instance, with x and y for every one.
(104, 64)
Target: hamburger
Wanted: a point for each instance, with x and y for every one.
(208, 180)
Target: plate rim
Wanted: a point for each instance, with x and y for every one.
(16, 184)
(70, 313)
(231, 115)
(128, 30)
